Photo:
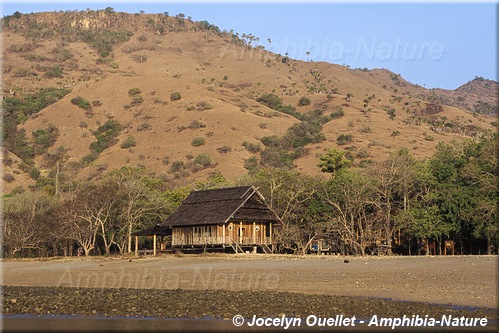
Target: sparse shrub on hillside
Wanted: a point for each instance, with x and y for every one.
(202, 160)
(43, 139)
(270, 100)
(304, 101)
(344, 139)
(395, 133)
(34, 173)
(196, 142)
(129, 142)
(289, 109)
(365, 129)
(196, 124)
(134, 92)
(21, 147)
(160, 101)
(365, 163)
(175, 96)
(224, 149)
(105, 135)
(17, 109)
(201, 106)
(144, 127)
(279, 158)
(428, 137)
(391, 113)
(136, 100)
(81, 102)
(271, 141)
(177, 166)
(252, 147)
(96, 103)
(251, 164)
(362, 154)
(54, 72)
(8, 178)
(337, 114)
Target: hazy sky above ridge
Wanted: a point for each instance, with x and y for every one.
(439, 45)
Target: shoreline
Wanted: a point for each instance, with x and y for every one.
(110, 309)
(213, 304)
(468, 281)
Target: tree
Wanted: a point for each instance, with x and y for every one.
(354, 216)
(394, 184)
(139, 202)
(287, 193)
(333, 161)
(25, 221)
(88, 213)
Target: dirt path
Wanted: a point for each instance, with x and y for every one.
(458, 280)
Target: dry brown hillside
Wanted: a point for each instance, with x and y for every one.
(127, 69)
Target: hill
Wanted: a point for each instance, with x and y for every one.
(87, 92)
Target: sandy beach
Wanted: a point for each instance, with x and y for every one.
(49, 294)
(458, 280)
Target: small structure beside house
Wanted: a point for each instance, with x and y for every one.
(236, 218)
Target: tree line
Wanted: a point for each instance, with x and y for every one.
(402, 202)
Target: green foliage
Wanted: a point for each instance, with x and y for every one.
(129, 142)
(395, 133)
(201, 106)
(333, 161)
(177, 166)
(224, 149)
(105, 135)
(81, 102)
(196, 142)
(17, 109)
(303, 133)
(391, 113)
(337, 114)
(202, 160)
(175, 96)
(104, 40)
(205, 25)
(54, 72)
(43, 139)
(251, 164)
(34, 173)
(270, 100)
(278, 158)
(271, 141)
(136, 100)
(134, 92)
(304, 101)
(291, 110)
(21, 147)
(252, 147)
(344, 139)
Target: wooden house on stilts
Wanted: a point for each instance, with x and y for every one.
(235, 218)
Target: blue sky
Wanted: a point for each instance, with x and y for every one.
(439, 45)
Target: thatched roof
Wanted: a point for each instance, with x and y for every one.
(159, 230)
(221, 206)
